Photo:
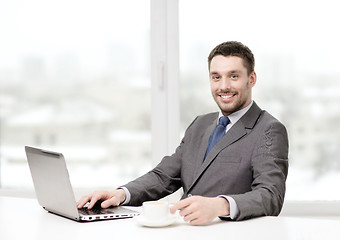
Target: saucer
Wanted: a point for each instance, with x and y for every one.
(155, 223)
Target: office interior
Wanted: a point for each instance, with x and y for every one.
(114, 84)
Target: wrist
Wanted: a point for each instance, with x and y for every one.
(121, 195)
(224, 206)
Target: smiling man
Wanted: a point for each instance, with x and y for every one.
(231, 164)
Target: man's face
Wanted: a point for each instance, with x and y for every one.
(230, 83)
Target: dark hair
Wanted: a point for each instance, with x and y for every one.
(233, 48)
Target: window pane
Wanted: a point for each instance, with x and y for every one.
(296, 50)
(75, 78)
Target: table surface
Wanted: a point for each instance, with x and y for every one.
(23, 218)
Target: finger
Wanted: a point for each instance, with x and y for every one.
(194, 218)
(180, 205)
(82, 201)
(186, 211)
(191, 217)
(93, 201)
(196, 222)
(110, 202)
(191, 208)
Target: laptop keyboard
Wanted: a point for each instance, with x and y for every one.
(95, 211)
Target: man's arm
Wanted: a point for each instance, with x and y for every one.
(269, 167)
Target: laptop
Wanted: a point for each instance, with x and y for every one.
(54, 191)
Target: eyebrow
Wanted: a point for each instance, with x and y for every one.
(229, 72)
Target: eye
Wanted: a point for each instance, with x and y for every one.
(215, 77)
(234, 76)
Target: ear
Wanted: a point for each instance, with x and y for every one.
(252, 79)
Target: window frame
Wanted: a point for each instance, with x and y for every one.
(165, 119)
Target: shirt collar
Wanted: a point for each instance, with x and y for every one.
(234, 117)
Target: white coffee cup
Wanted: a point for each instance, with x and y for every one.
(156, 210)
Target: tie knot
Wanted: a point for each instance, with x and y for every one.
(223, 121)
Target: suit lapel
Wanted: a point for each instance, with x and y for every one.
(237, 131)
(204, 144)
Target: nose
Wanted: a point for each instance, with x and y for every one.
(224, 83)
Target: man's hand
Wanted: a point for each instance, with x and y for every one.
(201, 210)
(109, 198)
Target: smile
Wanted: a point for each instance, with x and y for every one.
(227, 96)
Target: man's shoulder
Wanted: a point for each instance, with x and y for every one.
(270, 118)
(211, 115)
(207, 118)
(257, 112)
(204, 120)
(268, 123)
(259, 117)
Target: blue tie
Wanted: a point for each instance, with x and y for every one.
(218, 133)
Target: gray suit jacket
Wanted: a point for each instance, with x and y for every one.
(250, 164)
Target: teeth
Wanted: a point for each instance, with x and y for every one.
(226, 97)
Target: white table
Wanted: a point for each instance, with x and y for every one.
(23, 218)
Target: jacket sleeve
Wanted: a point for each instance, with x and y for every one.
(269, 165)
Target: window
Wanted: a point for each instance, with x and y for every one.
(74, 74)
(296, 47)
(75, 78)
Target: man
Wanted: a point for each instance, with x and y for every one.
(240, 177)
